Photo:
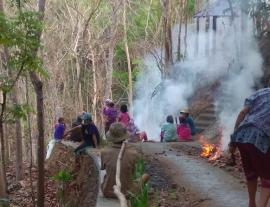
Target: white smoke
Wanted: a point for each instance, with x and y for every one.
(235, 61)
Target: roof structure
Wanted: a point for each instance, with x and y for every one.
(219, 8)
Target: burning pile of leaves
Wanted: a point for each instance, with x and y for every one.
(221, 159)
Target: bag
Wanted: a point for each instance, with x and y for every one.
(50, 148)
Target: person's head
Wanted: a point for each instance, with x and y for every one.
(79, 119)
(184, 113)
(108, 101)
(61, 120)
(117, 133)
(170, 119)
(111, 104)
(86, 118)
(124, 108)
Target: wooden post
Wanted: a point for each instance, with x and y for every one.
(214, 34)
(207, 25)
(117, 188)
(196, 49)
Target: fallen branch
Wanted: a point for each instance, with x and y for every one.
(117, 188)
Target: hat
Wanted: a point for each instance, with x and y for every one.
(108, 100)
(86, 116)
(184, 111)
(117, 133)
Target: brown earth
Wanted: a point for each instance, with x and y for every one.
(82, 190)
(164, 190)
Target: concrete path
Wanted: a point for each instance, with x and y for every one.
(105, 202)
(208, 182)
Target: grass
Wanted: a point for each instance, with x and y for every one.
(139, 199)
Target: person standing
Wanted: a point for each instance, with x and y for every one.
(252, 138)
(123, 116)
(109, 114)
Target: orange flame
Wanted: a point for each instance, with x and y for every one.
(207, 150)
(210, 151)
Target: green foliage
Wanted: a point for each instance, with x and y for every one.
(139, 199)
(62, 176)
(139, 169)
(20, 35)
(190, 7)
(20, 111)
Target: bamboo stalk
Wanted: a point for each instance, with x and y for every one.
(117, 188)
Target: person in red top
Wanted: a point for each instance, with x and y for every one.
(123, 116)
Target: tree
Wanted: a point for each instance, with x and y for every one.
(20, 35)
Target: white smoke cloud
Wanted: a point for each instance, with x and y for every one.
(236, 62)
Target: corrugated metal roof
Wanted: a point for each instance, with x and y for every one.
(218, 8)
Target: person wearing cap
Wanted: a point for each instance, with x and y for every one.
(91, 137)
(116, 135)
(186, 128)
(109, 114)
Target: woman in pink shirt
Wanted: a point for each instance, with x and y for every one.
(123, 116)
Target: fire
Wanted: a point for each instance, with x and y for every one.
(207, 150)
(210, 151)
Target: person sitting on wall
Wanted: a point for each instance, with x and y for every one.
(116, 135)
(59, 129)
(135, 135)
(91, 136)
(186, 126)
(76, 134)
(168, 131)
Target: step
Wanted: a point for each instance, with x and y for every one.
(206, 116)
(203, 123)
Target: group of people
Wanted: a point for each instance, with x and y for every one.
(181, 130)
(118, 127)
(251, 136)
(83, 129)
(111, 115)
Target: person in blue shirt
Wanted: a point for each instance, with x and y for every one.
(59, 129)
(168, 131)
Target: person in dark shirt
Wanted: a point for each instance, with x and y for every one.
(91, 137)
(76, 135)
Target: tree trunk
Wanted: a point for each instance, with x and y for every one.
(38, 86)
(167, 32)
(130, 84)
(3, 187)
(18, 132)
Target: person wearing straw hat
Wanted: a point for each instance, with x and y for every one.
(116, 135)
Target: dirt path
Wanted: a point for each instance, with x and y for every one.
(213, 186)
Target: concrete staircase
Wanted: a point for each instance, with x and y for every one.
(206, 118)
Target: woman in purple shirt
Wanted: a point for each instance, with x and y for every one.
(252, 138)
